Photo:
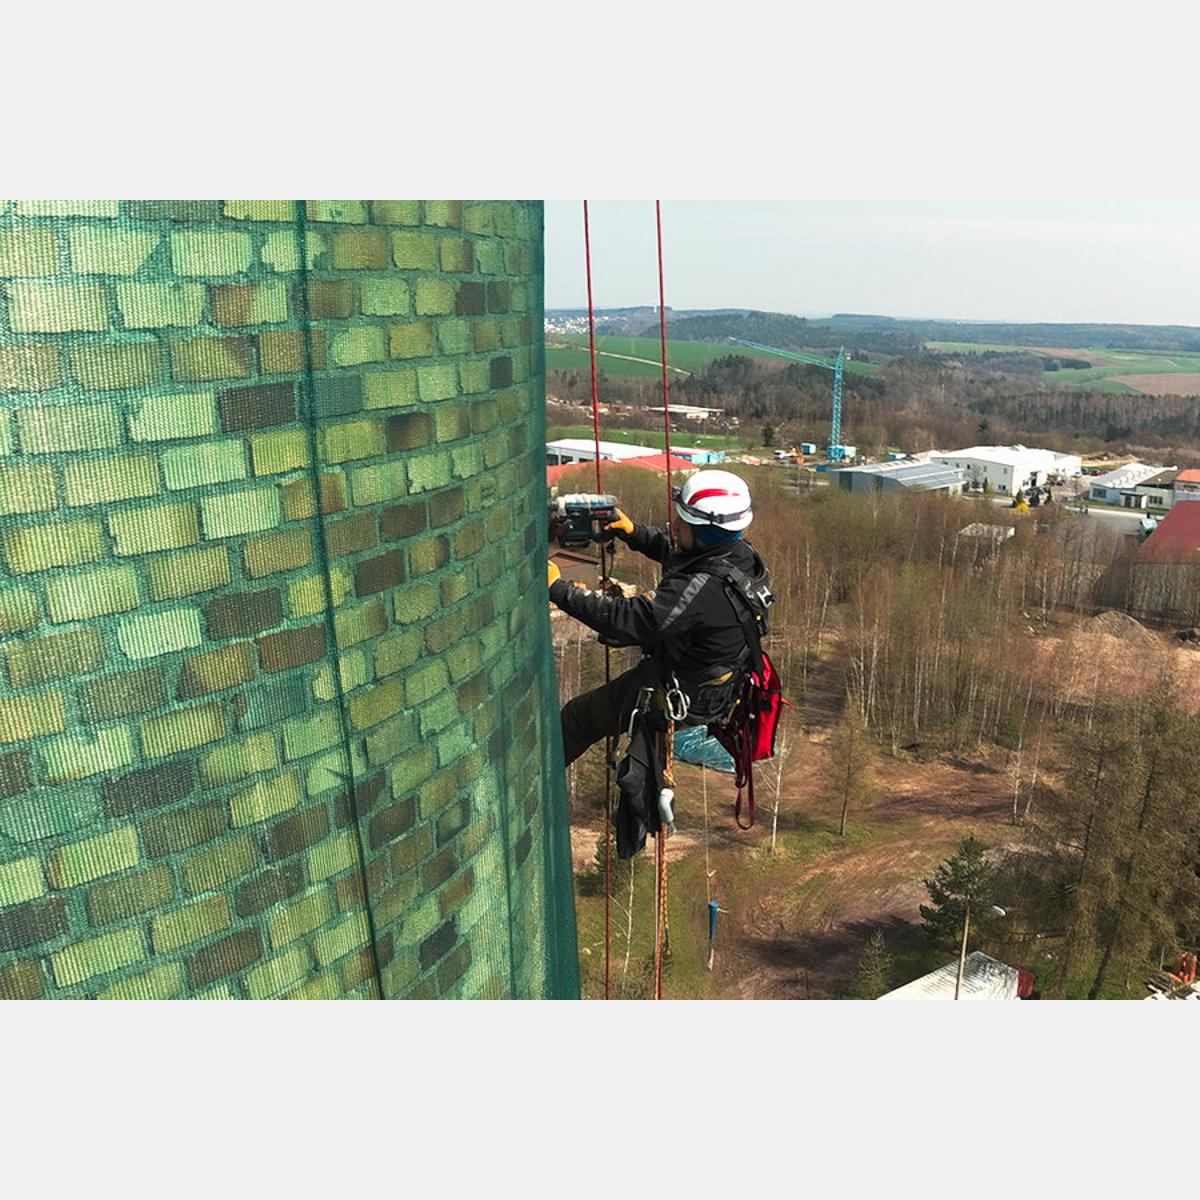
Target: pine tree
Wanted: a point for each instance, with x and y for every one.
(872, 976)
(961, 884)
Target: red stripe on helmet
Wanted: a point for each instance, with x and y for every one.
(704, 494)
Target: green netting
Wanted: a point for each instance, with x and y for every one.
(277, 706)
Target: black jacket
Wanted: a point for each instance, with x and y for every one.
(688, 622)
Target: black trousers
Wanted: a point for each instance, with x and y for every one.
(604, 711)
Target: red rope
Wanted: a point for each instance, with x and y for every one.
(608, 742)
(662, 327)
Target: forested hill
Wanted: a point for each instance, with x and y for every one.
(886, 335)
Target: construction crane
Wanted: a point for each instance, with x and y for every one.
(835, 450)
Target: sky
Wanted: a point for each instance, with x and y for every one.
(1125, 262)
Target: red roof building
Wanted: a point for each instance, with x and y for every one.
(658, 462)
(1177, 538)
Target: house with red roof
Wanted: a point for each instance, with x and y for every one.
(1165, 574)
(1187, 485)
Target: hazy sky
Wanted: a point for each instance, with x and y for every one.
(1129, 262)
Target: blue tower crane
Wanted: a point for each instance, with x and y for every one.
(835, 450)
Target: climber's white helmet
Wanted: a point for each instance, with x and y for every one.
(717, 498)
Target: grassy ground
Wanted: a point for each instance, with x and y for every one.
(570, 353)
(1105, 364)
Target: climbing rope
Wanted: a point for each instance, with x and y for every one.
(609, 742)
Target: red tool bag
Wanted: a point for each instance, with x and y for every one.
(749, 731)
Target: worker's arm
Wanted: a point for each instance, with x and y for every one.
(649, 540)
(646, 621)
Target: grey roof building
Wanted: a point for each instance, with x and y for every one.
(890, 476)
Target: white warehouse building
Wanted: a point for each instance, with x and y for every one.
(577, 450)
(1009, 469)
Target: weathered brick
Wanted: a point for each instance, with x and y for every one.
(452, 969)
(160, 305)
(360, 249)
(284, 551)
(332, 857)
(184, 415)
(331, 299)
(470, 300)
(210, 254)
(257, 407)
(209, 869)
(355, 346)
(89, 594)
(169, 931)
(452, 422)
(352, 440)
(226, 957)
(282, 351)
(147, 635)
(300, 917)
(204, 463)
(278, 974)
(384, 296)
(357, 624)
(92, 858)
(62, 428)
(63, 544)
(216, 670)
(27, 251)
(444, 213)
(151, 787)
(378, 482)
(295, 833)
(415, 603)
(395, 652)
(56, 308)
(376, 703)
(14, 773)
(279, 451)
(164, 982)
(350, 534)
(402, 521)
(187, 573)
(261, 210)
(242, 613)
(434, 297)
(235, 760)
(426, 472)
(390, 389)
(501, 371)
(22, 981)
(97, 956)
(161, 527)
(408, 431)
(416, 251)
(184, 729)
(428, 554)
(398, 818)
(173, 210)
(311, 734)
(376, 574)
(456, 255)
(20, 881)
(268, 888)
(265, 798)
(413, 339)
(396, 212)
(212, 358)
(291, 647)
(348, 935)
(454, 337)
(129, 896)
(438, 943)
(184, 829)
(108, 480)
(250, 304)
(29, 368)
(338, 397)
(42, 659)
(247, 511)
(32, 924)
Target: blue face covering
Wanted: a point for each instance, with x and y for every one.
(709, 536)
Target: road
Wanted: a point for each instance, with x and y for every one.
(1117, 519)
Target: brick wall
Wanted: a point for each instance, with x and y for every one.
(276, 698)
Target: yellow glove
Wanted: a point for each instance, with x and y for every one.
(621, 525)
(553, 573)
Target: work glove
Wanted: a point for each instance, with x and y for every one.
(622, 525)
(553, 573)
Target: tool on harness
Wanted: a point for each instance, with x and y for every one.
(578, 519)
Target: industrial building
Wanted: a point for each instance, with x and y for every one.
(1187, 486)
(1009, 469)
(700, 456)
(1135, 485)
(577, 450)
(984, 978)
(689, 412)
(894, 476)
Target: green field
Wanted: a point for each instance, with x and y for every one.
(569, 352)
(1106, 364)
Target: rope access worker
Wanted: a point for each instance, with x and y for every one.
(688, 628)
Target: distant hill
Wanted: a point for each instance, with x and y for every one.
(787, 332)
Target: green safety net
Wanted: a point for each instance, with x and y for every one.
(277, 705)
